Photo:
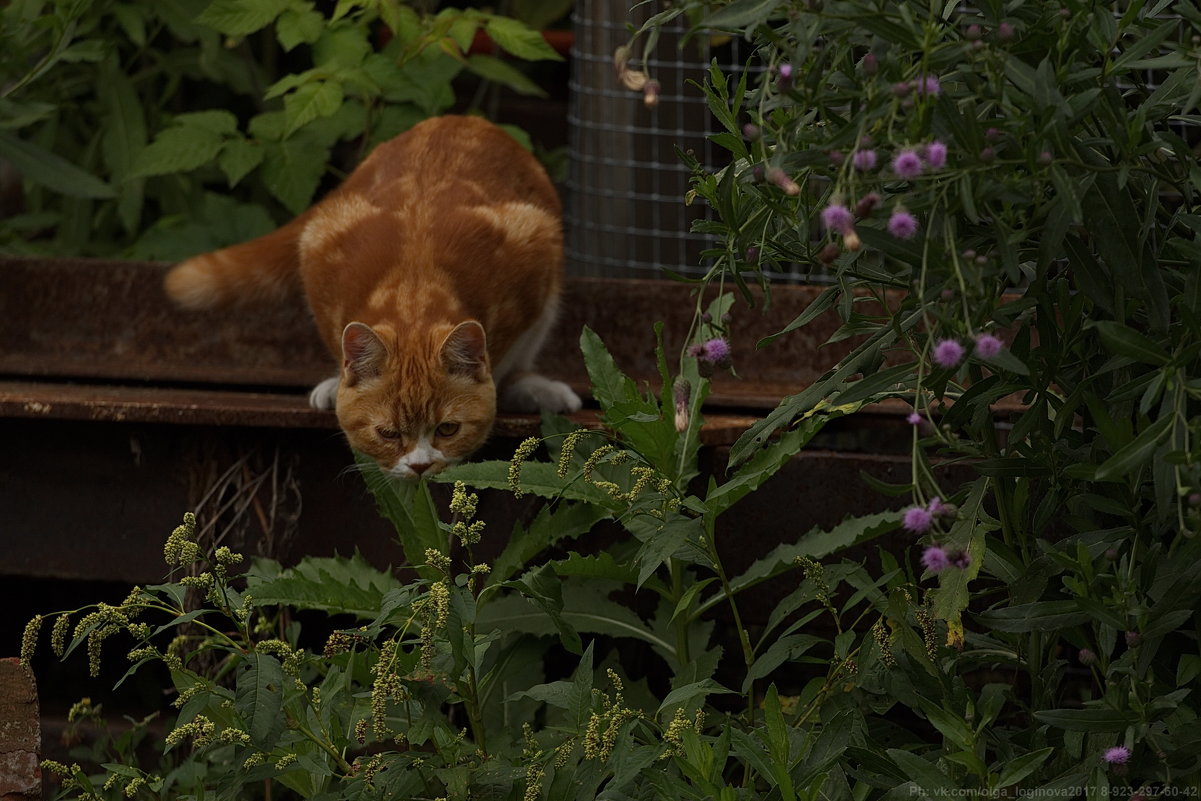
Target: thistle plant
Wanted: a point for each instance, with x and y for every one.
(1009, 183)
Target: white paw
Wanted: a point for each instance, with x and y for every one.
(325, 395)
(532, 393)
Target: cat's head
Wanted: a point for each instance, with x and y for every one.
(415, 410)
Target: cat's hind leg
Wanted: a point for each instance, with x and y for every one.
(519, 388)
(325, 395)
(530, 392)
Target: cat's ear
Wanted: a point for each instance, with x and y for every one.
(465, 351)
(363, 353)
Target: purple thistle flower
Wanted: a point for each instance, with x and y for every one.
(935, 506)
(1086, 657)
(916, 519)
(785, 71)
(907, 164)
(1118, 755)
(902, 224)
(935, 559)
(914, 419)
(987, 346)
(716, 351)
(948, 353)
(927, 85)
(837, 218)
(864, 160)
(936, 154)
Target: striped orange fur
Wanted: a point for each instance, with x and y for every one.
(433, 274)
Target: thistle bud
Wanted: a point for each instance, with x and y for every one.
(867, 204)
(780, 178)
(650, 93)
(681, 393)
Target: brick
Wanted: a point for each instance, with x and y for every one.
(20, 733)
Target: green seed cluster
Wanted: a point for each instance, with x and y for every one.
(603, 727)
(181, 548)
(524, 451)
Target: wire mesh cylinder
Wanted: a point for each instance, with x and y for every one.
(626, 215)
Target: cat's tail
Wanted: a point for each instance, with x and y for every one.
(261, 269)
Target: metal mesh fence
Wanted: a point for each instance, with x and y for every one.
(625, 212)
(626, 215)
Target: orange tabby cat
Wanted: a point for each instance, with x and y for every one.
(433, 273)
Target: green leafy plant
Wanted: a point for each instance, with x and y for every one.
(158, 130)
(1016, 259)
(1003, 200)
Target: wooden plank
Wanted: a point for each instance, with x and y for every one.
(94, 319)
(226, 407)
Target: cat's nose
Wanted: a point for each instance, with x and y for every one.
(420, 467)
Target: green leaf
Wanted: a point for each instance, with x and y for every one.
(537, 478)
(1125, 341)
(292, 169)
(238, 157)
(685, 695)
(542, 587)
(1036, 616)
(778, 745)
(816, 544)
(610, 386)
(815, 309)
(951, 597)
(240, 17)
(336, 585)
(410, 509)
(586, 608)
(806, 401)
(574, 696)
(668, 539)
(259, 699)
(767, 461)
(785, 649)
(179, 148)
(741, 14)
(310, 101)
(1019, 768)
(922, 772)
(123, 138)
(505, 74)
(1088, 720)
(553, 524)
(53, 172)
(1137, 452)
(301, 25)
(519, 40)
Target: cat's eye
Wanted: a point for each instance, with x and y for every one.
(387, 433)
(447, 429)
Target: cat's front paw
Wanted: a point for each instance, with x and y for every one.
(325, 395)
(532, 393)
